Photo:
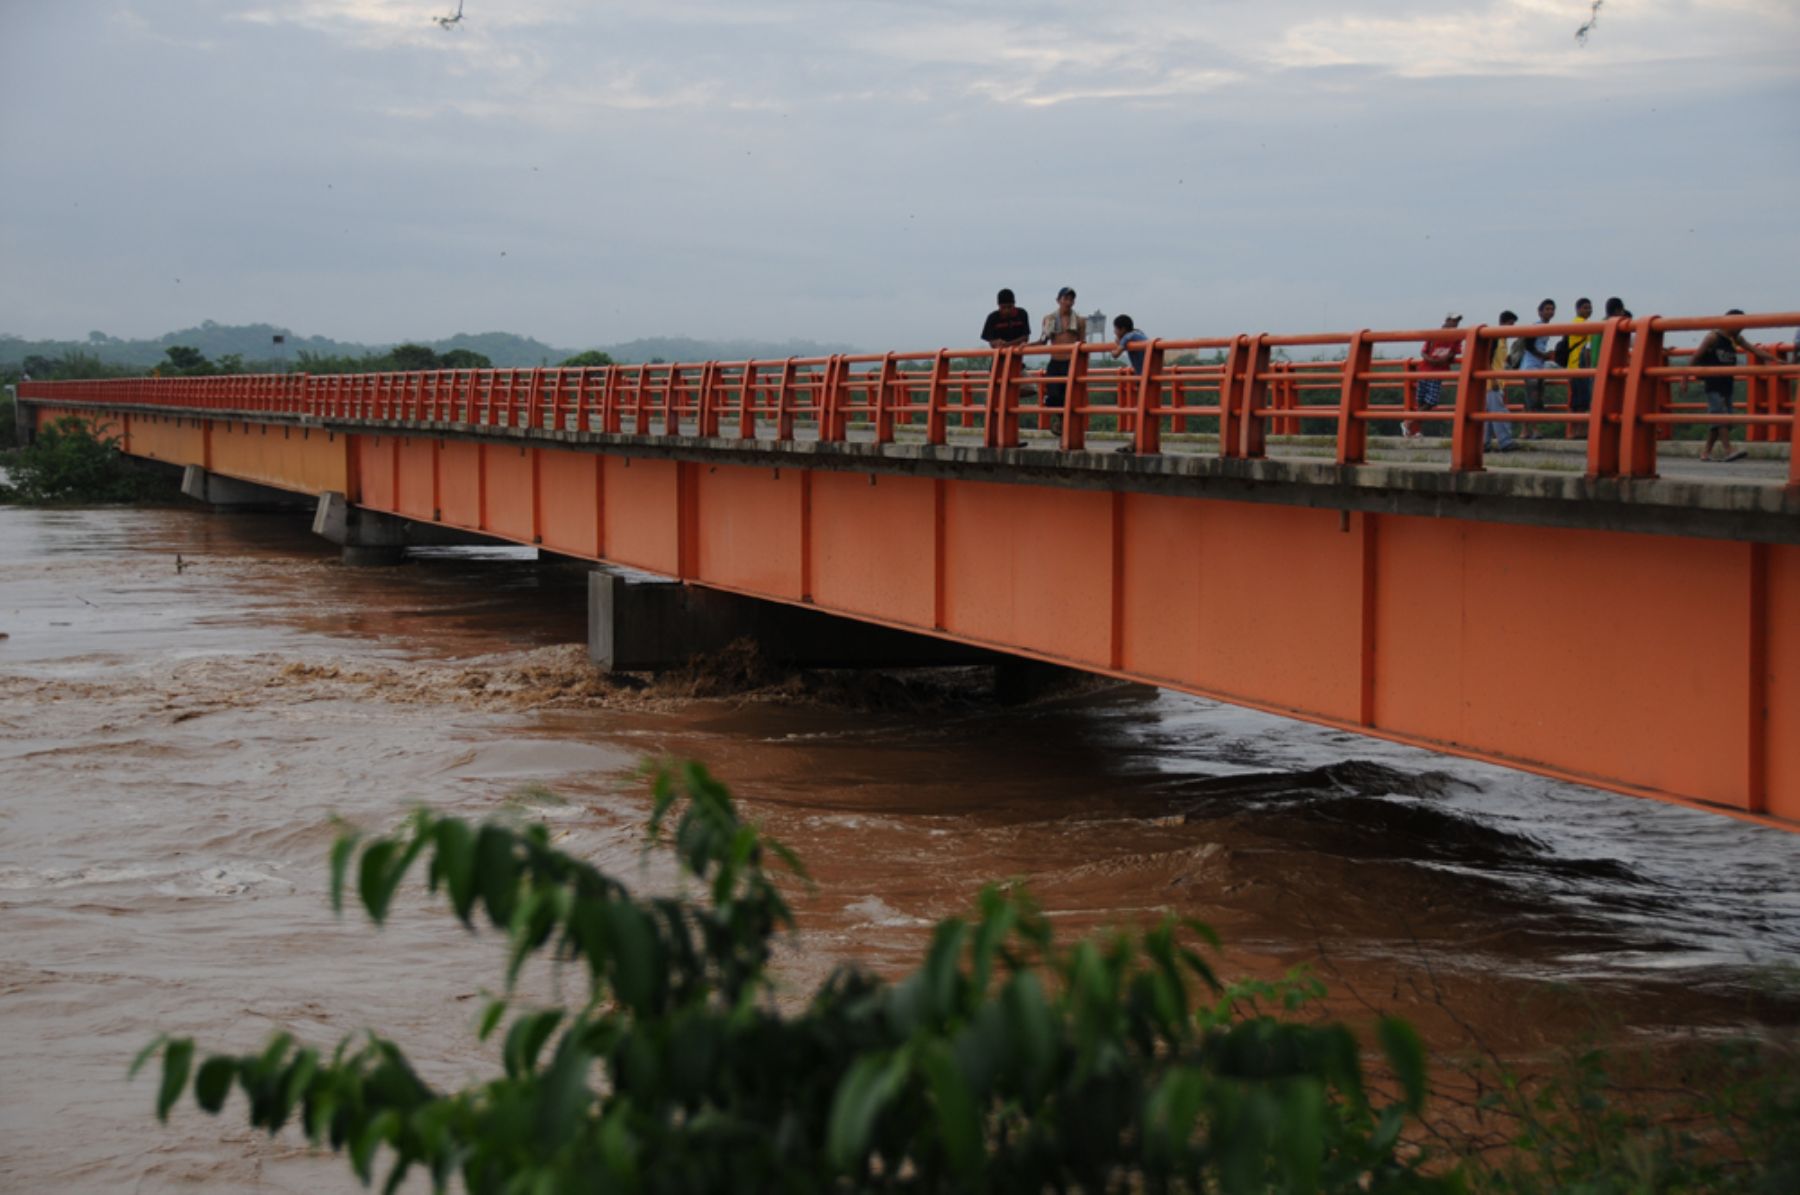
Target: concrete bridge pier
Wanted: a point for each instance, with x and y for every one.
(649, 625)
(230, 493)
(369, 537)
(366, 537)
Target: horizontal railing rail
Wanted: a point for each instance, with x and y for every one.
(1230, 395)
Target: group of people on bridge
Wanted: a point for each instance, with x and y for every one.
(1576, 351)
(1009, 326)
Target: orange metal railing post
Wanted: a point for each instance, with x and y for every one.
(609, 400)
(1147, 435)
(1353, 400)
(1466, 433)
(1001, 424)
(784, 402)
(1229, 384)
(1251, 433)
(706, 423)
(937, 398)
(1637, 439)
(1075, 402)
(671, 401)
(832, 397)
(1604, 426)
(746, 428)
(884, 407)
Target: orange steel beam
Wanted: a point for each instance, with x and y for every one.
(1405, 627)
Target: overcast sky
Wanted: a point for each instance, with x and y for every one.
(590, 171)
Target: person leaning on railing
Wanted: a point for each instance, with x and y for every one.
(1008, 324)
(1719, 351)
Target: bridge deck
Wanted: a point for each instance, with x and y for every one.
(1610, 610)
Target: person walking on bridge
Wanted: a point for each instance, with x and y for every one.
(1062, 326)
(1437, 355)
(1718, 351)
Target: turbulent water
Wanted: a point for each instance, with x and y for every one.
(188, 701)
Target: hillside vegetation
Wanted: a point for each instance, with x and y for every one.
(254, 345)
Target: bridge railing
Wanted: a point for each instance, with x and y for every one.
(1228, 395)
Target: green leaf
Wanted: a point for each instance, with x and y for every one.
(490, 1017)
(1172, 1110)
(1301, 1133)
(143, 1055)
(1406, 1055)
(562, 1095)
(1030, 1026)
(397, 1175)
(213, 1082)
(496, 873)
(374, 883)
(634, 955)
(455, 861)
(364, 1144)
(618, 1148)
(861, 1096)
(341, 850)
(958, 1123)
(178, 1056)
(941, 970)
(295, 1082)
(526, 1038)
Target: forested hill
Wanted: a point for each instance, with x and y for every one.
(685, 348)
(254, 344)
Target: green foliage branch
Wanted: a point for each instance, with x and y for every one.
(68, 461)
(1005, 1062)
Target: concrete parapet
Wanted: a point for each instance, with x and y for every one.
(649, 625)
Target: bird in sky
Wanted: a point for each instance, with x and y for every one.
(447, 23)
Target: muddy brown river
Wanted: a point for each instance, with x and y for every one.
(176, 742)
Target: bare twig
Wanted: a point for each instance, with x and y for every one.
(1581, 34)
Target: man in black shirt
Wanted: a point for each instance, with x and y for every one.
(1007, 325)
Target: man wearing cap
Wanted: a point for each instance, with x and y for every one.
(1061, 326)
(1438, 355)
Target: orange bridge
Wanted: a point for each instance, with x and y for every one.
(1603, 608)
